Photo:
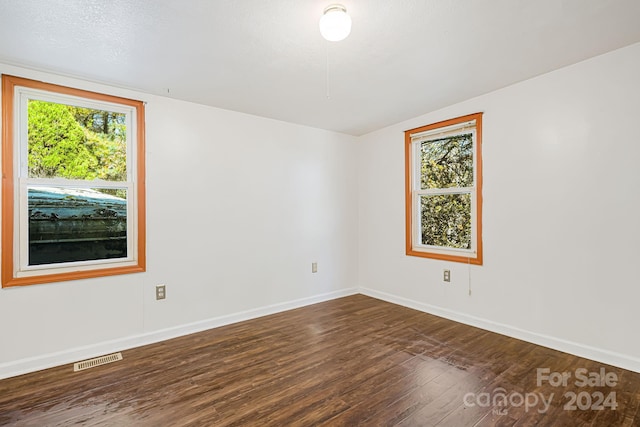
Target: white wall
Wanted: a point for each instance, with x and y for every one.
(238, 207)
(561, 214)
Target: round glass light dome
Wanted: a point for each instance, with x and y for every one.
(335, 24)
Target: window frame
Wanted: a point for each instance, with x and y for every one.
(413, 191)
(14, 186)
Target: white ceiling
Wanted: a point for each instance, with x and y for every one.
(403, 58)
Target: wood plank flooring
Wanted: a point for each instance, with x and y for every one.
(347, 362)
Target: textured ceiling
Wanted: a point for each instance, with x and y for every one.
(403, 57)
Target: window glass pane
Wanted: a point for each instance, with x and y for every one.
(76, 224)
(447, 162)
(72, 142)
(446, 220)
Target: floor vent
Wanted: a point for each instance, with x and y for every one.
(102, 360)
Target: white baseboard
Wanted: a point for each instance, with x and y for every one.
(24, 366)
(50, 360)
(599, 355)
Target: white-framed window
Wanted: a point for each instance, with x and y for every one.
(443, 174)
(73, 191)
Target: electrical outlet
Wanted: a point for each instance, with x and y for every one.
(447, 276)
(314, 267)
(161, 292)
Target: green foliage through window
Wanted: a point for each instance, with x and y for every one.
(447, 162)
(76, 143)
(446, 218)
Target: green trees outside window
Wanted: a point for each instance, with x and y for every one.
(71, 142)
(446, 163)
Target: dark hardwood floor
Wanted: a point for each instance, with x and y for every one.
(350, 361)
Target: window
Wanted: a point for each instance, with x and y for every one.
(73, 189)
(443, 180)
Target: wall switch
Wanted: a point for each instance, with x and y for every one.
(447, 276)
(314, 267)
(161, 292)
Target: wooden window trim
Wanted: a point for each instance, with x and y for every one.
(9, 84)
(478, 258)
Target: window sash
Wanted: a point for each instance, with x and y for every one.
(24, 95)
(22, 232)
(417, 221)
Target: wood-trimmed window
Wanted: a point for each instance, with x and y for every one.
(443, 182)
(73, 183)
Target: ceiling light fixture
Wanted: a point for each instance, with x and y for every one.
(335, 24)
